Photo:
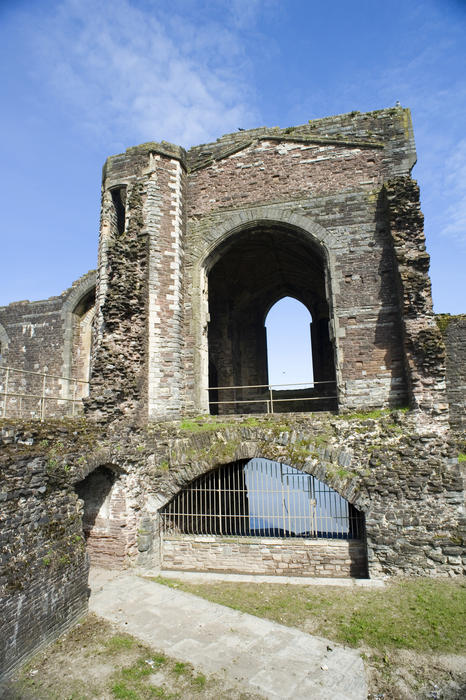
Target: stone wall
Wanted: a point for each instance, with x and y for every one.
(197, 246)
(137, 363)
(269, 556)
(44, 567)
(424, 346)
(453, 329)
(406, 482)
(50, 337)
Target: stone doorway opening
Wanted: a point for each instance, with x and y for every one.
(82, 319)
(106, 525)
(247, 274)
(258, 516)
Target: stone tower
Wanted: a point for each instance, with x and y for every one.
(196, 246)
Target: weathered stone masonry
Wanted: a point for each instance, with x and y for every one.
(258, 211)
(408, 485)
(453, 329)
(195, 247)
(51, 337)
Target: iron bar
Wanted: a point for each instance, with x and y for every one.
(261, 498)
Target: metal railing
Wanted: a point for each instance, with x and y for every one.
(270, 400)
(40, 395)
(260, 498)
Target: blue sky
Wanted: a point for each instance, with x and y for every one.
(84, 79)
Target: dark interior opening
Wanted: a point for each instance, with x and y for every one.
(104, 518)
(119, 206)
(94, 490)
(250, 273)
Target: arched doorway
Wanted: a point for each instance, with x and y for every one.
(246, 276)
(82, 318)
(108, 530)
(260, 516)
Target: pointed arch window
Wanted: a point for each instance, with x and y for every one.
(289, 352)
(261, 498)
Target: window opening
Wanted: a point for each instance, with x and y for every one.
(289, 353)
(261, 498)
(119, 206)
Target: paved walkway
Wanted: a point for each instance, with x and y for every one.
(209, 577)
(261, 656)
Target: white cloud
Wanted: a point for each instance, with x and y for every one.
(143, 75)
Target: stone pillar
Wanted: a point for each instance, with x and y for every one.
(423, 344)
(137, 368)
(163, 213)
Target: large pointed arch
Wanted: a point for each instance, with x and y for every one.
(278, 254)
(78, 313)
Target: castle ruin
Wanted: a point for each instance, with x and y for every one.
(164, 350)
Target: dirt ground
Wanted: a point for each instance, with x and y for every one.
(95, 661)
(403, 674)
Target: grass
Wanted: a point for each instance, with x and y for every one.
(119, 642)
(462, 457)
(374, 413)
(201, 425)
(100, 662)
(420, 614)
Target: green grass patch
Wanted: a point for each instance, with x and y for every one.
(462, 457)
(121, 691)
(200, 681)
(201, 425)
(119, 642)
(137, 671)
(179, 668)
(374, 413)
(102, 662)
(420, 614)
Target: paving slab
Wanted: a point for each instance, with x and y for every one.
(263, 657)
(208, 576)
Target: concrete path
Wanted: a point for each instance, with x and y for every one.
(261, 656)
(209, 577)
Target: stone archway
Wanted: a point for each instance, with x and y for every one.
(108, 528)
(245, 269)
(262, 517)
(336, 467)
(208, 250)
(78, 313)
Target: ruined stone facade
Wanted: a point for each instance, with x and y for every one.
(213, 237)
(62, 480)
(195, 248)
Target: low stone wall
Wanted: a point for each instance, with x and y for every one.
(274, 556)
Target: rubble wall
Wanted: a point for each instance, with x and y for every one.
(407, 484)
